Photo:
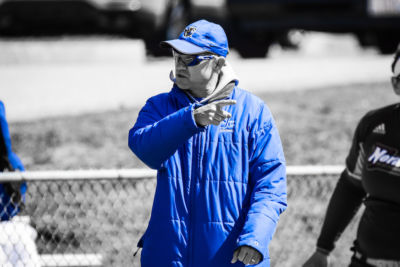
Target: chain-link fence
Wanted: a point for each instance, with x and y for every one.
(95, 218)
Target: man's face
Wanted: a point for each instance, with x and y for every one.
(195, 73)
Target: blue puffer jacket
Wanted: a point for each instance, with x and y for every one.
(218, 187)
(7, 208)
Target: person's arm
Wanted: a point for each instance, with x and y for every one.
(344, 203)
(155, 136)
(348, 194)
(268, 183)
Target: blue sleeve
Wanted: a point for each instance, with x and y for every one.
(13, 159)
(156, 134)
(8, 209)
(268, 181)
(5, 134)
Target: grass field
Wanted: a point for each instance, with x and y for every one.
(316, 128)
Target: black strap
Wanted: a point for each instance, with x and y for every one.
(136, 252)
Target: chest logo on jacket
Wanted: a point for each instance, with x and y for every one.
(384, 158)
(227, 126)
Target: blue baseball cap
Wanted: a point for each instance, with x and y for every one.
(200, 37)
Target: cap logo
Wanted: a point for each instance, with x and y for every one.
(188, 32)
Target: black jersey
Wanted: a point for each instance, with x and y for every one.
(372, 175)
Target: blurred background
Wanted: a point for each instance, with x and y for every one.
(253, 26)
(74, 74)
(101, 54)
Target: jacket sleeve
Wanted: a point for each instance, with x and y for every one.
(10, 158)
(12, 194)
(348, 194)
(268, 183)
(155, 136)
(343, 205)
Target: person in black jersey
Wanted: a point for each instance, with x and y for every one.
(372, 177)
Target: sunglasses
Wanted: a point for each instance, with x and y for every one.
(190, 60)
(396, 82)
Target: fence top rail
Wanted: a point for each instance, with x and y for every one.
(111, 174)
(314, 170)
(78, 175)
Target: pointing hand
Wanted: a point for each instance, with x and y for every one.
(212, 113)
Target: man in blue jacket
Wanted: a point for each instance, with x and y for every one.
(221, 180)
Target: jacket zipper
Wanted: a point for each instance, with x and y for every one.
(199, 146)
(191, 197)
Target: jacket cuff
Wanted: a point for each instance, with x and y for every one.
(323, 251)
(189, 120)
(258, 238)
(325, 245)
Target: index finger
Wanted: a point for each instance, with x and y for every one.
(225, 102)
(235, 256)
